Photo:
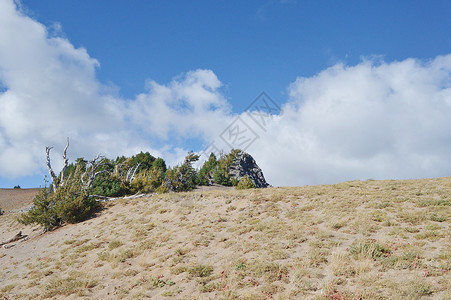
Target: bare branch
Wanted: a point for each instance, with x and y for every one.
(17, 237)
(49, 166)
(128, 174)
(91, 170)
(134, 172)
(131, 173)
(66, 161)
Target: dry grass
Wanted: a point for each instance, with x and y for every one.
(12, 199)
(353, 240)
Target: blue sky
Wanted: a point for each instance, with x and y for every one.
(323, 57)
(250, 45)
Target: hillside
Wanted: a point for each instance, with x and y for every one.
(14, 199)
(353, 240)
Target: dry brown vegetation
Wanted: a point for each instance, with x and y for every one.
(354, 240)
(13, 199)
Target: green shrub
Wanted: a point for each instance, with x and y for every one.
(221, 176)
(107, 185)
(245, 183)
(74, 207)
(162, 189)
(159, 164)
(17, 187)
(182, 178)
(145, 161)
(70, 203)
(221, 172)
(205, 173)
(147, 181)
(43, 211)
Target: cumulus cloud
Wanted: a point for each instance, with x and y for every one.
(372, 120)
(50, 91)
(190, 106)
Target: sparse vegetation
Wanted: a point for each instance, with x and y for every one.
(114, 244)
(353, 240)
(368, 249)
(71, 203)
(76, 283)
(245, 183)
(201, 270)
(182, 178)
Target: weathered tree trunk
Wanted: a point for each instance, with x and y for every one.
(17, 237)
(131, 173)
(66, 162)
(126, 175)
(92, 174)
(49, 166)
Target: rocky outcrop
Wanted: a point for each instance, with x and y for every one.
(244, 165)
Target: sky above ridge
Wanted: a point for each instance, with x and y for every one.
(352, 89)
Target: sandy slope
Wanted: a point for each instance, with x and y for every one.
(370, 240)
(11, 199)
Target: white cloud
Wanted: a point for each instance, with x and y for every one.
(372, 120)
(190, 106)
(51, 91)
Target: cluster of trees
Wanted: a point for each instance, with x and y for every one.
(72, 195)
(217, 171)
(143, 173)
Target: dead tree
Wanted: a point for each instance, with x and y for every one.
(49, 166)
(87, 178)
(17, 237)
(131, 173)
(121, 168)
(66, 161)
(91, 172)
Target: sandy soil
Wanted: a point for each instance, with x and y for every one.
(213, 187)
(12, 199)
(355, 240)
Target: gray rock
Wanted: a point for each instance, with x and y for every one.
(244, 165)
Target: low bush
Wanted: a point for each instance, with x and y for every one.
(245, 183)
(43, 211)
(205, 174)
(201, 270)
(70, 203)
(182, 178)
(147, 181)
(107, 185)
(74, 207)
